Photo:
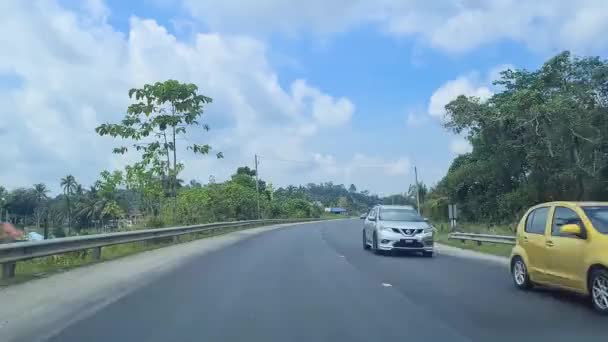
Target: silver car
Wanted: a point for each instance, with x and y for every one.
(396, 227)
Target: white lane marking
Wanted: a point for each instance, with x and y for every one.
(341, 256)
(386, 285)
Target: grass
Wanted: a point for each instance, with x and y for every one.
(489, 248)
(42, 267)
(326, 215)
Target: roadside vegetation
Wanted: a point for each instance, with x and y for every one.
(543, 136)
(157, 129)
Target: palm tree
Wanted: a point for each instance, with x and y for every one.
(40, 192)
(68, 183)
(79, 190)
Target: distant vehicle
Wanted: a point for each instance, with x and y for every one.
(339, 211)
(564, 245)
(33, 236)
(363, 216)
(395, 227)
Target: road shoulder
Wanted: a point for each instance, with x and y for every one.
(470, 254)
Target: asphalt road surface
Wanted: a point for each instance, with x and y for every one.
(315, 283)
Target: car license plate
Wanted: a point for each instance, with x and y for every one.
(408, 241)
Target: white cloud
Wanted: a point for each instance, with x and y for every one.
(374, 173)
(398, 167)
(97, 9)
(470, 84)
(465, 85)
(326, 110)
(75, 71)
(452, 26)
(277, 15)
(460, 146)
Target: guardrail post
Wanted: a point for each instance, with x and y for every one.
(176, 239)
(478, 243)
(97, 253)
(8, 270)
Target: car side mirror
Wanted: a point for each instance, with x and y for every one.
(372, 218)
(571, 229)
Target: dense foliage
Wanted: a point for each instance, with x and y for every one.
(542, 137)
(113, 202)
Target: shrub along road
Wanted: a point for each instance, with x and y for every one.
(316, 283)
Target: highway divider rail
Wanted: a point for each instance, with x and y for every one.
(11, 253)
(480, 238)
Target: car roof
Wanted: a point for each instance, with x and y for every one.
(396, 206)
(576, 203)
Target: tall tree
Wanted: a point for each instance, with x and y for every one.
(40, 193)
(162, 111)
(69, 185)
(543, 137)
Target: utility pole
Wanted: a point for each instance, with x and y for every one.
(257, 187)
(417, 189)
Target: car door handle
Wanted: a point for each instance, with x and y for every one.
(549, 243)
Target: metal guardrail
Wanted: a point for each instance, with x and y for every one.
(480, 238)
(11, 253)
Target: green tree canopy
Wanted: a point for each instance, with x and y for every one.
(542, 137)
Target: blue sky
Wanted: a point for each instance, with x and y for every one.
(342, 91)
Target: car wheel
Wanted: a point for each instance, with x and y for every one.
(427, 254)
(599, 290)
(365, 245)
(375, 244)
(519, 271)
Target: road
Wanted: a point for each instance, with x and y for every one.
(315, 283)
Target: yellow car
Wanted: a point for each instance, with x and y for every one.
(564, 245)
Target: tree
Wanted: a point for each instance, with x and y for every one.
(352, 188)
(343, 203)
(422, 192)
(543, 137)
(162, 111)
(40, 193)
(195, 184)
(101, 202)
(69, 185)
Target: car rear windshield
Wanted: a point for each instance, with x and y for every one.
(599, 217)
(400, 215)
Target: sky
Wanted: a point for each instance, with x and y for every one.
(348, 91)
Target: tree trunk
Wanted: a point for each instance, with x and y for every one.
(69, 214)
(581, 186)
(174, 183)
(46, 227)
